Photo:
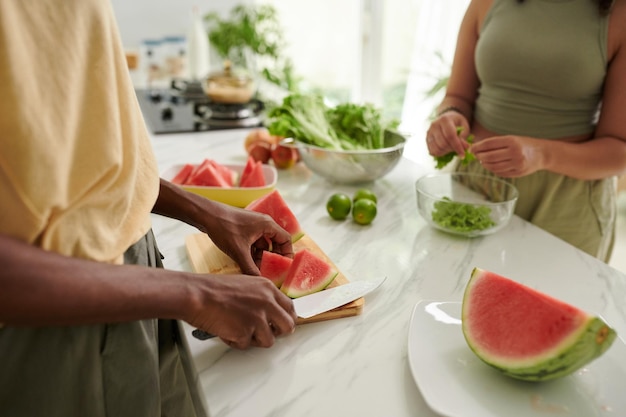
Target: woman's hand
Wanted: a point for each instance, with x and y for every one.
(442, 136)
(509, 156)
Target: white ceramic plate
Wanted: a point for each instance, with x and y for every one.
(455, 383)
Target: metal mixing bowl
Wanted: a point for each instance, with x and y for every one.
(352, 167)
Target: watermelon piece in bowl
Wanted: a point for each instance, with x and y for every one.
(209, 173)
(275, 206)
(526, 334)
(308, 274)
(183, 174)
(252, 175)
(233, 195)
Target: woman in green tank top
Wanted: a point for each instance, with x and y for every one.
(541, 86)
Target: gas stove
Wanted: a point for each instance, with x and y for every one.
(185, 108)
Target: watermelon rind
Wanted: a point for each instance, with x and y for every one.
(308, 274)
(588, 341)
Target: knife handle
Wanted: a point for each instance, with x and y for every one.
(202, 335)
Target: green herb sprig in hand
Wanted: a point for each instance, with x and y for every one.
(461, 217)
(443, 160)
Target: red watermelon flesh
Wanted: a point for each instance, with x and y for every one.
(195, 171)
(207, 175)
(275, 267)
(182, 175)
(247, 168)
(528, 334)
(210, 173)
(275, 206)
(228, 174)
(254, 176)
(308, 274)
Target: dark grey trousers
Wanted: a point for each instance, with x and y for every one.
(134, 369)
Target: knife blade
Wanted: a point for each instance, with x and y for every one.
(322, 301)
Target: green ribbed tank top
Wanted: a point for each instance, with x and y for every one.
(541, 65)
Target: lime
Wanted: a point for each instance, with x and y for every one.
(364, 211)
(364, 193)
(338, 206)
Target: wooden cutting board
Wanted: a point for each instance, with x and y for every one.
(206, 258)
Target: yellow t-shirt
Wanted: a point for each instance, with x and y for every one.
(77, 170)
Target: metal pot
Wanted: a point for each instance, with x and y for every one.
(229, 86)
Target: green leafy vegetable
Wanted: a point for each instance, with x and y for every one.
(461, 217)
(303, 117)
(443, 160)
(361, 125)
(347, 126)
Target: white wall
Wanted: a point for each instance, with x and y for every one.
(144, 19)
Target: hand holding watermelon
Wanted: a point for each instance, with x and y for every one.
(245, 309)
(243, 235)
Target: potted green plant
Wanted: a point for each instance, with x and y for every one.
(251, 38)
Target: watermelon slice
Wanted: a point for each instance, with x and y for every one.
(275, 267)
(228, 174)
(252, 175)
(182, 175)
(308, 274)
(195, 170)
(247, 168)
(526, 334)
(211, 174)
(275, 206)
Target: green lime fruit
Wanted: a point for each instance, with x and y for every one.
(364, 193)
(338, 206)
(364, 211)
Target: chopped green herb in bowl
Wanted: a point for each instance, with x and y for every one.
(462, 217)
(465, 204)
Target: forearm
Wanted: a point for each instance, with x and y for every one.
(45, 288)
(457, 104)
(176, 203)
(601, 157)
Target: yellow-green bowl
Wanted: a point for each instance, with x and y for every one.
(235, 196)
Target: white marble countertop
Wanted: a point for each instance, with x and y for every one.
(358, 366)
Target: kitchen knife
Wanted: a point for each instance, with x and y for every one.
(322, 301)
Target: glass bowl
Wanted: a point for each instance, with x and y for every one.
(465, 204)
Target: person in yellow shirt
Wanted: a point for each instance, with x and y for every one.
(89, 315)
(541, 85)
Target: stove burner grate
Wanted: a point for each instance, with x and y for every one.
(183, 109)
